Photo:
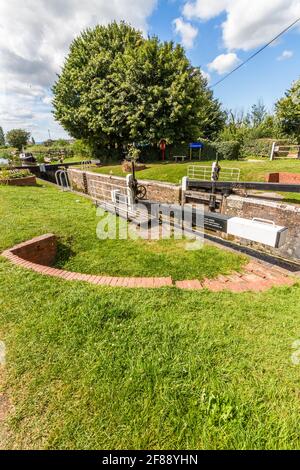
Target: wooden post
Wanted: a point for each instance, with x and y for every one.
(272, 151)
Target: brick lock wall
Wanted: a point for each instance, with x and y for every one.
(76, 178)
(156, 191)
(162, 192)
(282, 214)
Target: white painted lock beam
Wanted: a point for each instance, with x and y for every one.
(258, 230)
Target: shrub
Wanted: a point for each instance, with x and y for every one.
(81, 149)
(224, 150)
(13, 174)
(134, 153)
(127, 166)
(256, 147)
(227, 150)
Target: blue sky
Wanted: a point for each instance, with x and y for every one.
(217, 35)
(266, 77)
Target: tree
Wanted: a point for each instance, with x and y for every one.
(288, 111)
(61, 143)
(117, 87)
(18, 138)
(258, 114)
(32, 140)
(2, 138)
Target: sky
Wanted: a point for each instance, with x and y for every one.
(217, 35)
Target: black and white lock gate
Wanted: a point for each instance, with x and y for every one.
(257, 230)
(227, 187)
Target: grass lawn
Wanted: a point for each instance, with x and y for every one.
(90, 367)
(250, 171)
(46, 209)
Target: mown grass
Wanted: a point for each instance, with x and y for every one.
(250, 171)
(28, 212)
(90, 367)
(173, 172)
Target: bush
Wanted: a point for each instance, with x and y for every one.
(261, 147)
(13, 174)
(81, 149)
(256, 148)
(227, 150)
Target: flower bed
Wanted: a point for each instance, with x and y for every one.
(17, 178)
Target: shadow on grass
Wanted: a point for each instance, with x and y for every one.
(64, 252)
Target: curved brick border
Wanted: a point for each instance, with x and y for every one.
(39, 254)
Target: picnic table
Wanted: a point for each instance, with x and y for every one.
(183, 157)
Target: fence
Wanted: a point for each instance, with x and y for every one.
(279, 152)
(204, 173)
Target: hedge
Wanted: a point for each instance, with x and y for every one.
(225, 151)
(256, 148)
(261, 147)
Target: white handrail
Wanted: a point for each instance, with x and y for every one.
(59, 180)
(204, 173)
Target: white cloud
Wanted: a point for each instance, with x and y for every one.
(248, 24)
(285, 55)
(224, 63)
(47, 100)
(204, 9)
(34, 39)
(206, 75)
(187, 32)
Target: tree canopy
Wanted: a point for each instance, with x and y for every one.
(118, 87)
(288, 111)
(18, 138)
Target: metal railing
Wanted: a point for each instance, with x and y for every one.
(109, 192)
(204, 173)
(62, 180)
(118, 199)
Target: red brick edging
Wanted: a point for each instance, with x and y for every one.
(39, 254)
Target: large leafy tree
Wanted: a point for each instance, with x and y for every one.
(2, 137)
(288, 111)
(118, 87)
(18, 138)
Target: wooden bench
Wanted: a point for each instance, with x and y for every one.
(176, 157)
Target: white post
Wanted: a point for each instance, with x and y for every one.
(272, 151)
(129, 180)
(185, 182)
